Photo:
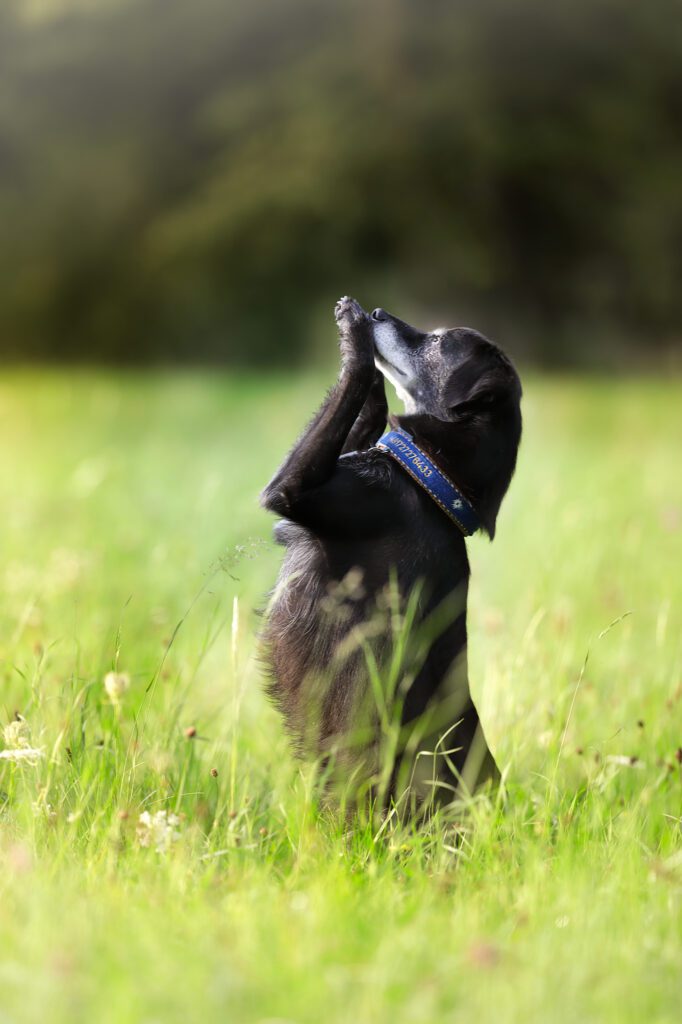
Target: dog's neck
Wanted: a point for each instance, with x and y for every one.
(479, 463)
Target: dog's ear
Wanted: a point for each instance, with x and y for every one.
(471, 392)
(482, 402)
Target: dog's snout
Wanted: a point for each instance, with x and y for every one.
(379, 314)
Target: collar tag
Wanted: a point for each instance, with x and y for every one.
(400, 446)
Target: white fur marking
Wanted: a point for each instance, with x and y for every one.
(393, 363)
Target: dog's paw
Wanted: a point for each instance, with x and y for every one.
(355, 335)
(348, 311)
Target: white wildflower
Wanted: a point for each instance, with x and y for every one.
(116, 684)
(159, 830)
(16, 737)
(17, 733)
(30, 755)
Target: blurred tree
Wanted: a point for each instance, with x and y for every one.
(196, 181)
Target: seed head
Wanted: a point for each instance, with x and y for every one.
(116, 684)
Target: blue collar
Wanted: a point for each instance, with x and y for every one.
(399, 445)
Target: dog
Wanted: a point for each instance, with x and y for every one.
(365, 636)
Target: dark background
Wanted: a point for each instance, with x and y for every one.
(199, 181)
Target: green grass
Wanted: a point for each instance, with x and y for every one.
(130, 520)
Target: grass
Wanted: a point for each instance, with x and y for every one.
(132, 542)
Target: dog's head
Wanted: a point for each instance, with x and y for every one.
(443, 373)
(462, 394)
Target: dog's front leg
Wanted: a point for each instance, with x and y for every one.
(371, 422)
(313, 458)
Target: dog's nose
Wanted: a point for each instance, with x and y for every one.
(379, 314)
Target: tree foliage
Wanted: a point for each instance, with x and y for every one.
(200, 181)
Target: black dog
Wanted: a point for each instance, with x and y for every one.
(371, 557)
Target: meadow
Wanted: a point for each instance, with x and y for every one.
(163, 856)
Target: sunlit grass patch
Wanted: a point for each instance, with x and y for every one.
(162, 855)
